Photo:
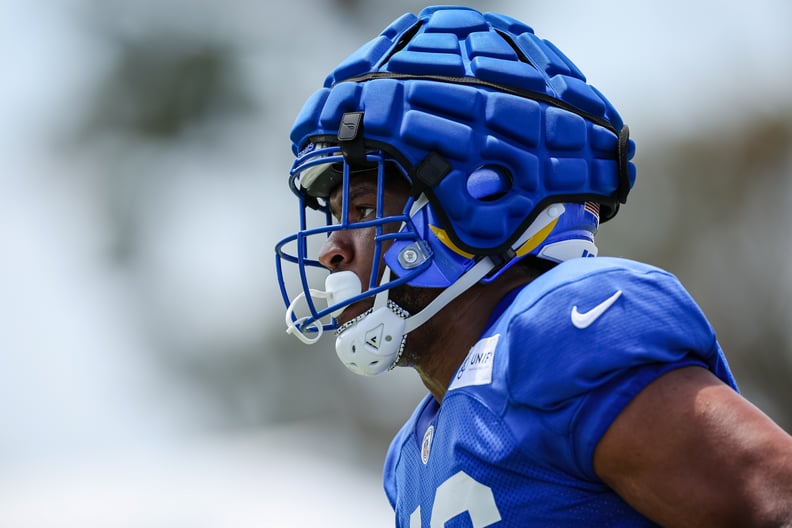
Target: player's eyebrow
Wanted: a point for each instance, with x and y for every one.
(356, 190)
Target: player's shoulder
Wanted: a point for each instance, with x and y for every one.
(590, 317)
(580, 282)
(583, 307)
(616, 293)
(582, 272)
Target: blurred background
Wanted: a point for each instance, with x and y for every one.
(145, 376)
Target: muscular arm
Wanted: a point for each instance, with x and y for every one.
(689, 451)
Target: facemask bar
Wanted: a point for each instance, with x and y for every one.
(313, 168)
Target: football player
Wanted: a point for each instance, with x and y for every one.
(452, 174)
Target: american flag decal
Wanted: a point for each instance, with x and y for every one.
(593, 208)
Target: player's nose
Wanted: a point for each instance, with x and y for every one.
(336, 251)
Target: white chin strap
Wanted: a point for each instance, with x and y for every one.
(372, 343)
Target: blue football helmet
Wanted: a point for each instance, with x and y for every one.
(508, 153)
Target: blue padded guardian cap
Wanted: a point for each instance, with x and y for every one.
(453, 92)
(508, 152)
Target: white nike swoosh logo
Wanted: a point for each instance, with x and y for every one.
(584, 320)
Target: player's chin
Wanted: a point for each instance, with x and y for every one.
(354, 310)
(413, 299)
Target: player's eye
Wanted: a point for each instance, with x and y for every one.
(365, 212)
(356, 214)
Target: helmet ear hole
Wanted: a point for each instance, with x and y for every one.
(488, 183)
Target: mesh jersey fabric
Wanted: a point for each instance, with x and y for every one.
(512, 443)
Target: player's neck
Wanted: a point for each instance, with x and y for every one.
(448, 337)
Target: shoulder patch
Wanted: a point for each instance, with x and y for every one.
(477, 367)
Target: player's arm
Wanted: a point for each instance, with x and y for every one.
(690, 451)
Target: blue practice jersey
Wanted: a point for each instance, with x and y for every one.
(513, 442)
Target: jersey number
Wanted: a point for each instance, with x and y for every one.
(459, 494)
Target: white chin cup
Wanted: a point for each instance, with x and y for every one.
(371, 343)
